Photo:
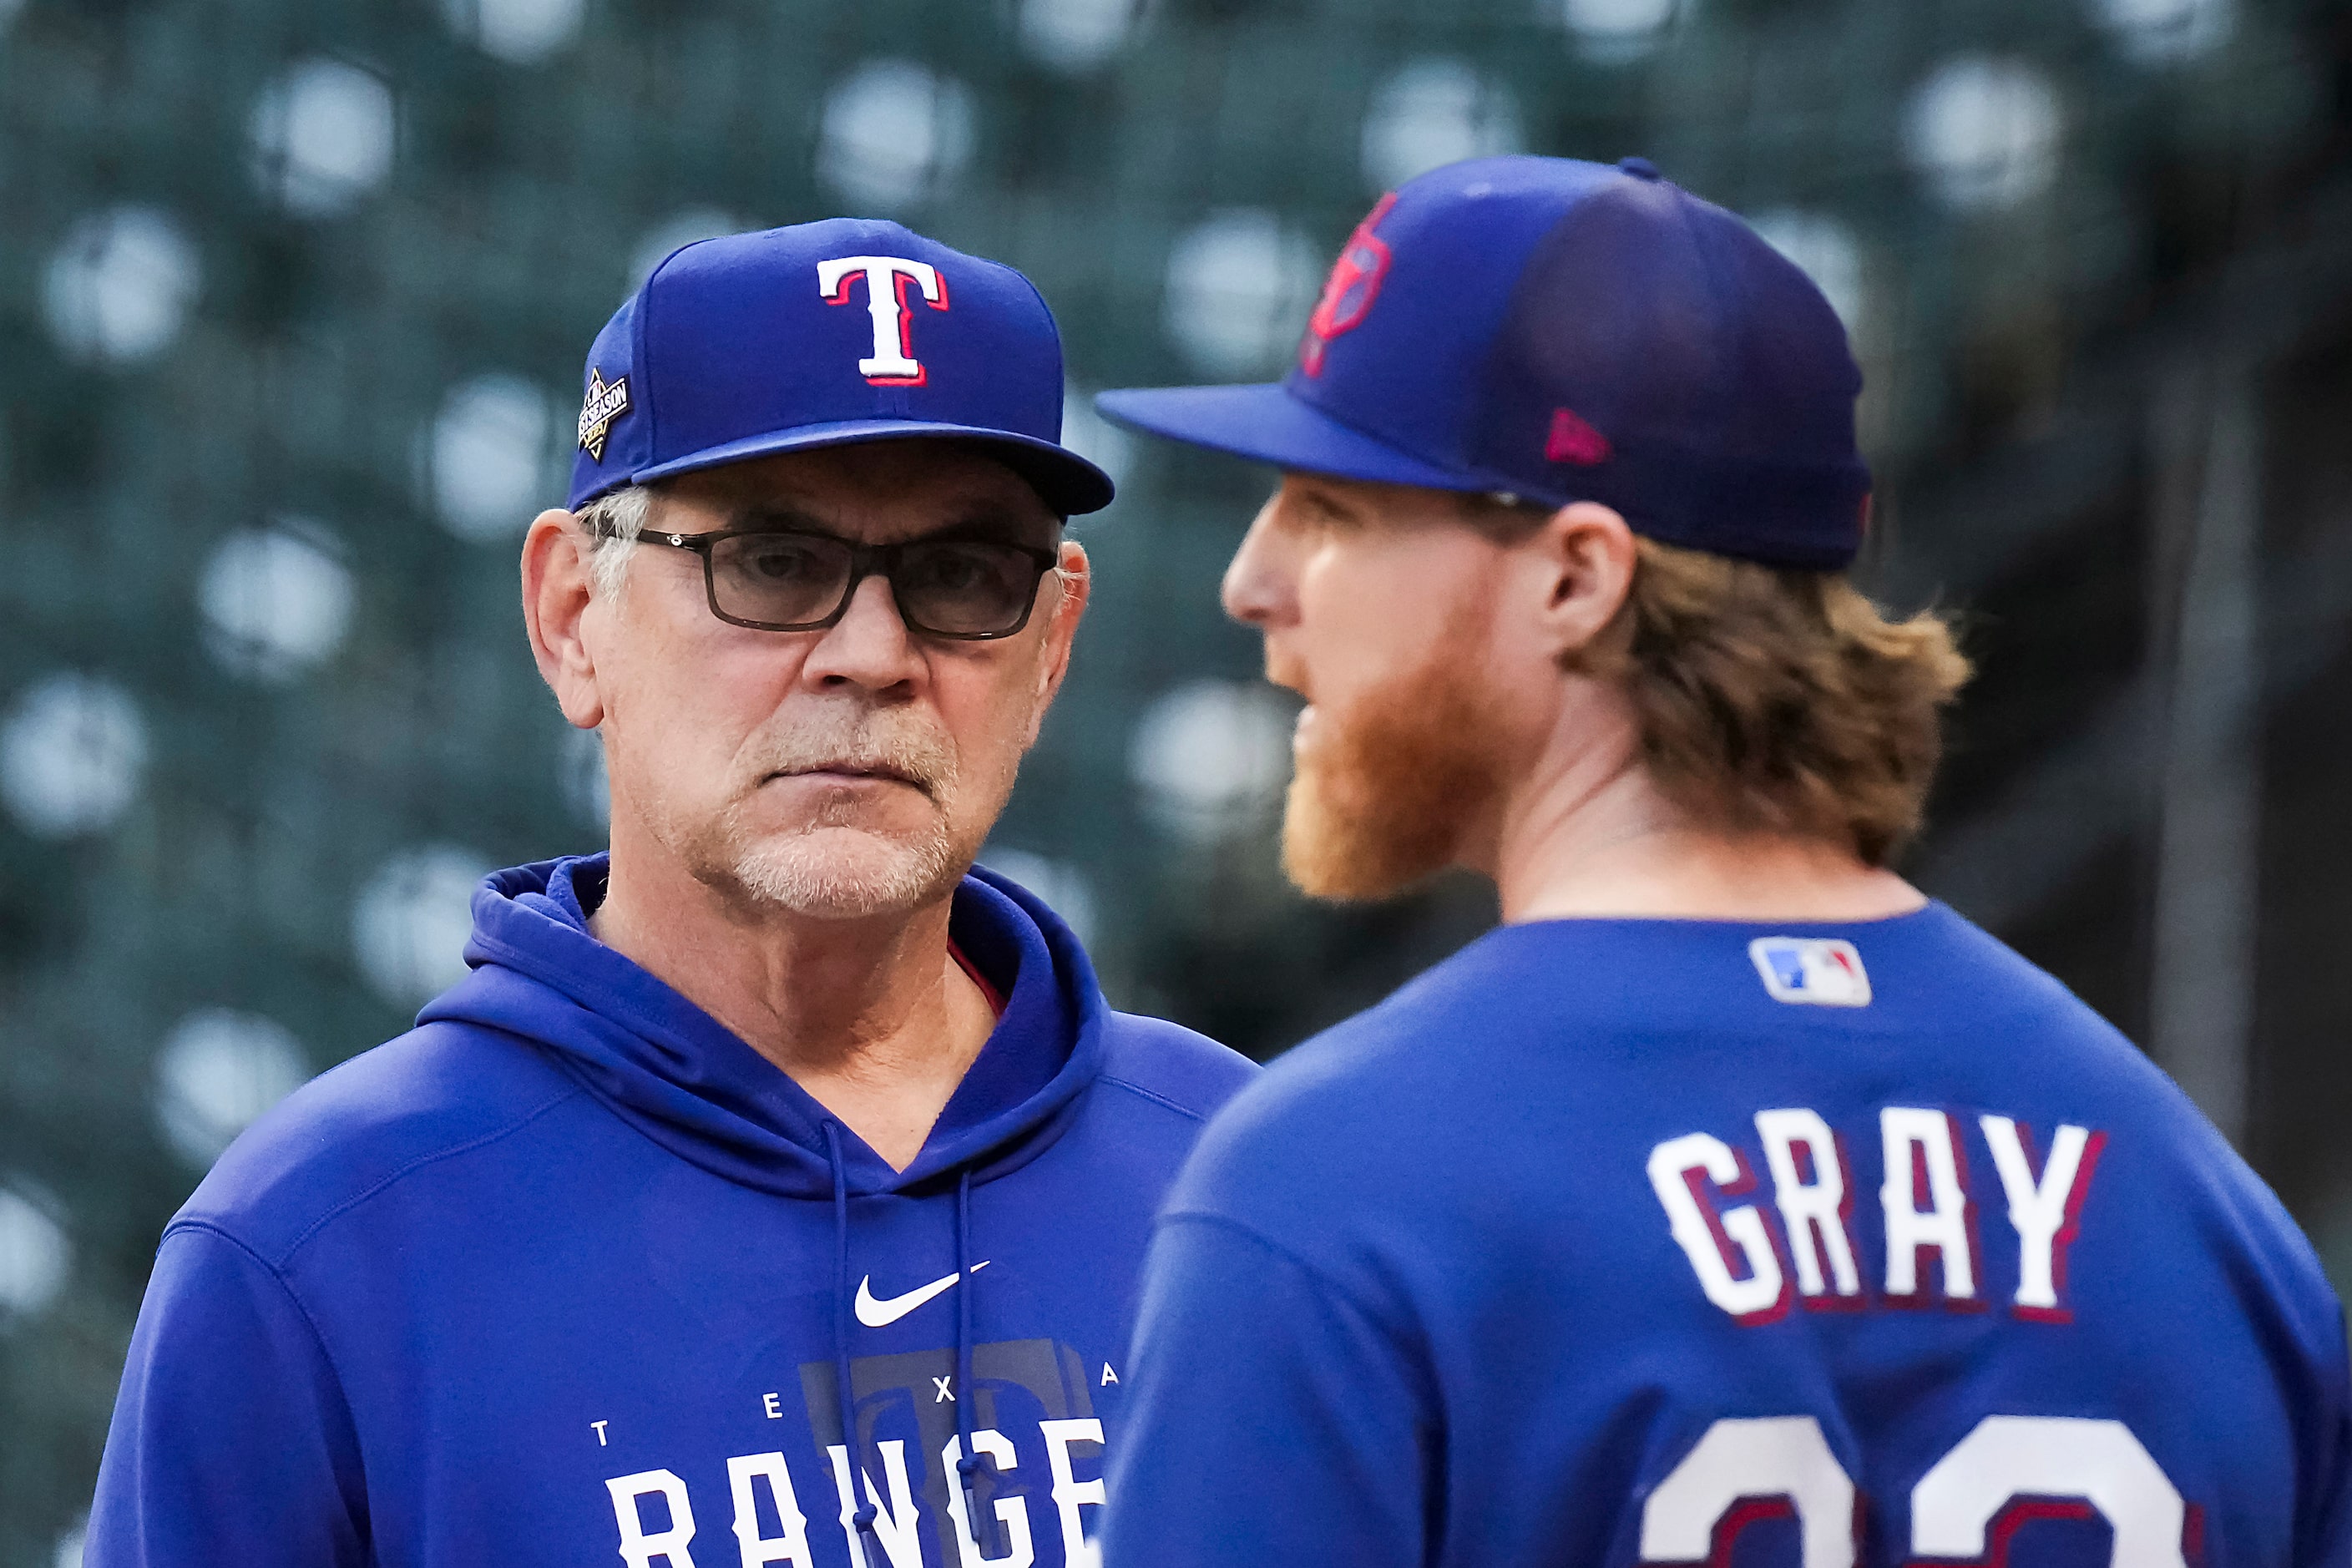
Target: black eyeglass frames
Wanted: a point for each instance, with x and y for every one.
(784, 580)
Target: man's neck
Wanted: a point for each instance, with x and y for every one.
(1590, 835)
(873, 1017)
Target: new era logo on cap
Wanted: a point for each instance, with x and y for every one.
(750, 344)
(1565, 332)
(1822, 971)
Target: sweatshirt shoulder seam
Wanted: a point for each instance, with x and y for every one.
(1322, 1278)
(1153, 1095)
(418, 1162)
(278, 1276)
(214, 1228)
(1251, 1233)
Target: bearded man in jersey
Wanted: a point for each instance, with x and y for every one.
(774, 1190)
(1732, 1203)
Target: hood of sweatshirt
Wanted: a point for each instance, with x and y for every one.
(570, 1266)
(692, 1085)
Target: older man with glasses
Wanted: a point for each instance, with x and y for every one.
(774, 1189)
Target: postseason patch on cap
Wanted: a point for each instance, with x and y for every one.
(1822, 971)
(604, 404)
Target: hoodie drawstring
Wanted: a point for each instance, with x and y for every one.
(967, 1461)
(863, 1511)
(862, 1518)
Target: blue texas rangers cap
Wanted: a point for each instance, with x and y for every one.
(825, 334)
(1565, 331)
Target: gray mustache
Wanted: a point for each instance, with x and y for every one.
(868, 743)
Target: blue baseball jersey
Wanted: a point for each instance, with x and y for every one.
(1616, 1242)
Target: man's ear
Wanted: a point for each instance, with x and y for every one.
(1583, 560)
(1077, 574)
(555, 602)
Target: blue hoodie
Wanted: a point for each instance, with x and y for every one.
(570, 1271)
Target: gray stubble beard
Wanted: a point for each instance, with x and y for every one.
(802, 877)
(798, 872)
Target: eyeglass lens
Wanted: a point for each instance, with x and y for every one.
(954, 587)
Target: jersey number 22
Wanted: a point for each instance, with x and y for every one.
(2005, 1461)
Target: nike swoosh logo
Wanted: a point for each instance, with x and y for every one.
(879, 1314)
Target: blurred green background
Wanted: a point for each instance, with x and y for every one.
(292, 300)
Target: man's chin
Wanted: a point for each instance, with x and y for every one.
(1357, 852)
(846, 873)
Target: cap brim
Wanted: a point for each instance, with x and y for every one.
(1268, 424)
(1066, 482)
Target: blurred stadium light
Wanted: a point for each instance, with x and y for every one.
(295, 294)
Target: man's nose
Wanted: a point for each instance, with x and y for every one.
(869, 645)
(1256, 590)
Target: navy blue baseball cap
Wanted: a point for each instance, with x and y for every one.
(825, 334)
(1562, 331)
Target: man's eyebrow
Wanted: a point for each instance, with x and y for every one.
(760, 516)
(979, 520)
(990, 520)
(1331, 510)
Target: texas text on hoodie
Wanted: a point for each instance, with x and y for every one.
(570, 1272)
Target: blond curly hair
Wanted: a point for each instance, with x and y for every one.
(1781, 701)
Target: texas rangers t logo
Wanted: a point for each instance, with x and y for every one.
(893, 361)
(1348, 292)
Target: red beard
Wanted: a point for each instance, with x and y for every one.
(1404, 774)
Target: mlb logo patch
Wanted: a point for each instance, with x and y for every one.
(1820, 970)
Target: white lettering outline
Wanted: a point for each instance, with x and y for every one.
(2010, 1457)
(893, 361)
(896, 1527)
(1011, 1512)
(1949, 1227)
(2045, 1214)
(1702, 1232)
(1737, 1460)
(758, 1550)
(1071, 1494)
(1813, 1213)
(638, 1549)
